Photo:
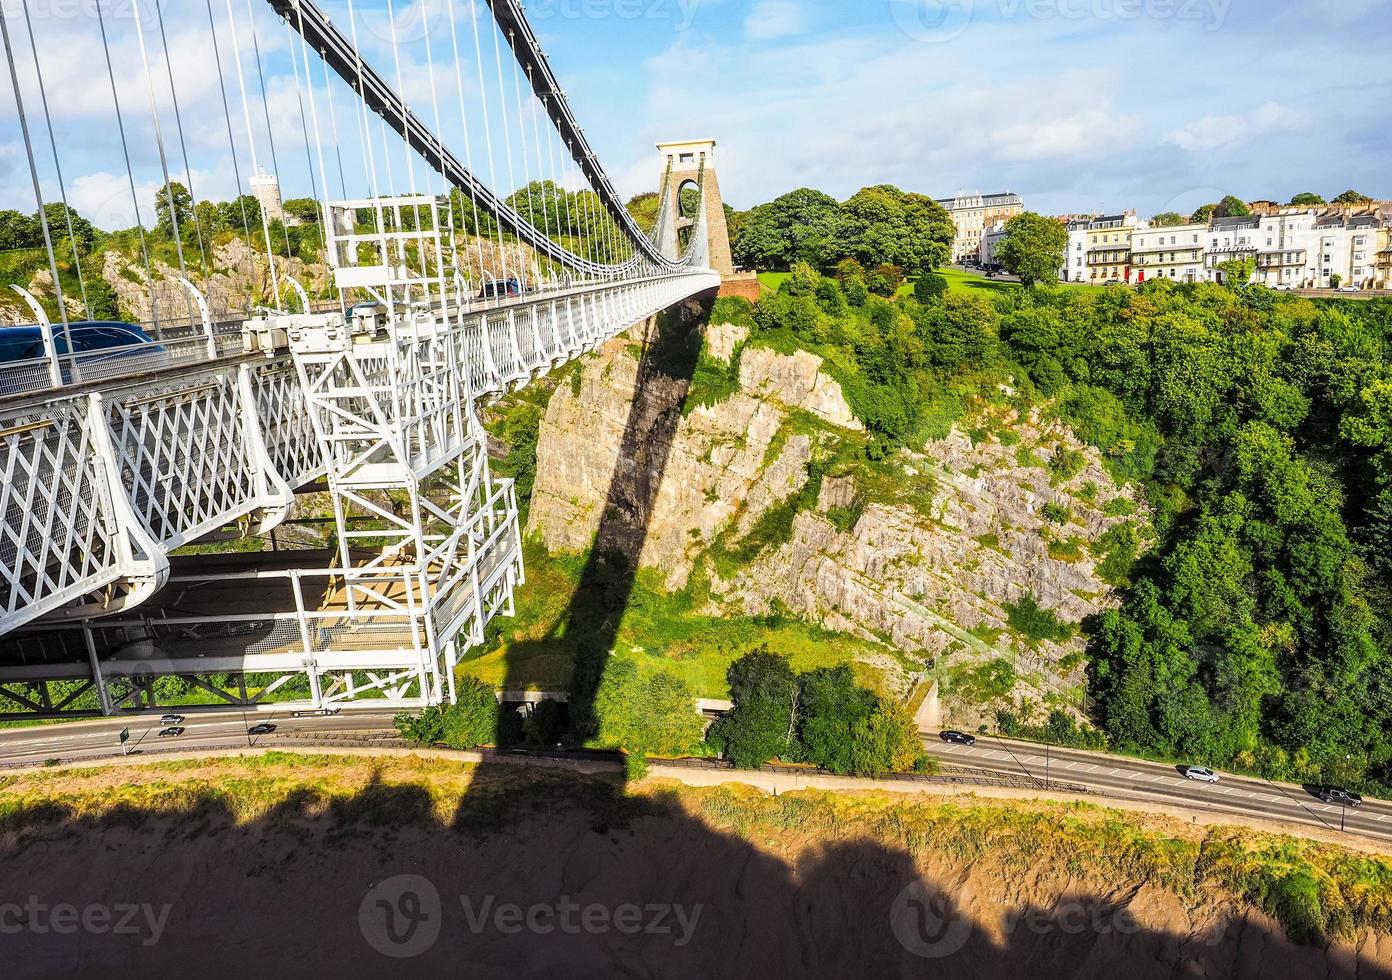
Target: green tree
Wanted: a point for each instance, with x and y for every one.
(884, 280)
(929, 288)
(1204, 214)
(760, 726)
(242, 214)
(102, 302)
(653, 717)
(644, 208)
(173, 203)
(1168, 219)
(833, 712)
(791, 228)
(668, 721)
(305, 208)
(1352, 197)
(468, 723)
(18, 231)
(58, 216)
(1033, 248)
(883, 225)
(1306, 199)
(888, 741)
(209, 218)
(473, 719)
(1233, 206)
(1237, 272)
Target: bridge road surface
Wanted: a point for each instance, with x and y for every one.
(1117, 775)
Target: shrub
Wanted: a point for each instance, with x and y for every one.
(468, 723)
(635, 767)
(885, 280)
(1027, 618)
(733, 309)
(930, 288)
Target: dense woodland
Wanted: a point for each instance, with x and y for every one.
(1254, 633)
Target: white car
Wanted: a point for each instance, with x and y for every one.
(1283, 287)
(1349, 289)
(1200, 774)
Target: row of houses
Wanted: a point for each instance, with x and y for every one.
(1294, 248)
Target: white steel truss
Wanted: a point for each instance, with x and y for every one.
(99, 487)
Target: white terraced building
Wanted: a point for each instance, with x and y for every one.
(1176, 252)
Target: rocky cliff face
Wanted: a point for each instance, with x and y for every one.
(927, 552)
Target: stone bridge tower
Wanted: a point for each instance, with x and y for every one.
(692, 162)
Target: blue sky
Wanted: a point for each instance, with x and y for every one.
(1076, 104)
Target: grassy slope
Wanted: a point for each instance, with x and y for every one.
(661, 631)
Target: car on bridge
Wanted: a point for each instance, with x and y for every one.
(1201, 774)
(958, 738)
(1339, 797)
(25, 343)
(264, 728)
(172, 720)
(174, 731)
(501, 289)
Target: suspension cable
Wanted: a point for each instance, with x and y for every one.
(468, 149)
(270, 131)
(130, 173)
(251, 140)
(488, 133)
(183, 147)
(231, 142)
(164, 163)
(57, 166)
(34, 175)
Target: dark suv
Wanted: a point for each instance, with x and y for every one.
(1339, 797)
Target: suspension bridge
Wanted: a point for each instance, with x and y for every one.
(486, 247)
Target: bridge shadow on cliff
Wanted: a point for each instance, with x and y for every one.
(587, 630)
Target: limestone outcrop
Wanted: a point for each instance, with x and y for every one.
(928, 553)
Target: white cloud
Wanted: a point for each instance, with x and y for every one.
(1213, 133)
(773, 19)
(1068, 136)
